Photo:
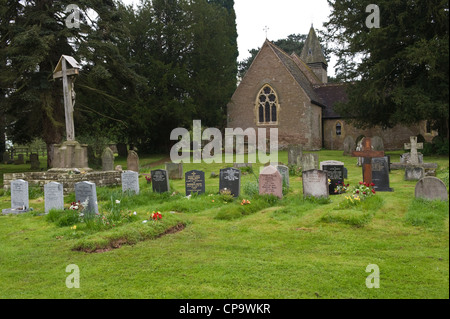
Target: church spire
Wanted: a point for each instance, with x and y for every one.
(312, 55)
(312, 50)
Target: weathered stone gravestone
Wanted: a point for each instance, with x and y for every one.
(160, 181)
(270, 182)
(133, 161)
(414, 173)
(6, 157)
(413, 146)
(130, 182)
(107, 159)
(34, 161)
(349, 145)
(239, 165)
(19, 197)
(335, 173)
(53, 196)
(284, 171)
(309, 161)
(175, 170)
(230, 179)
(315, 183)
(380, 174)
(377, 143)
(195, 182)
(87, 191)
(295, 154)
(405, 158)
(431, 188)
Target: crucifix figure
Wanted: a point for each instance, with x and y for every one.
(68, 77)
(368, 154)
(413, 146)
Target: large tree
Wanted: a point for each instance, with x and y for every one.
(399, 71)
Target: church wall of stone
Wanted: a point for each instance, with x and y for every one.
(393, 138)
(296, 115)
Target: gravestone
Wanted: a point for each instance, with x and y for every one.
(270, 182)
(295, 154)
(195, 182)
(87, 191)
(175, 170)
(6, 157)
(54, 196)
(310, 161)
(133, 161)
(414, 173)
(107, 159)
(230, 178)
(405, 158)
(315, 183)
(130, 181)
(431, 188)
(380, 174)
(20, 160)
(160, 181)
(349, 145)
(335, 173)
(284, 171)
(413, 146)
(19, 197)
(239, 165)
(34, 161)
(377, 143)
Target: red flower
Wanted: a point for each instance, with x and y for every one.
(357, 191)
(373, 191)
(364, 193)
(372, 184)
(360, 183)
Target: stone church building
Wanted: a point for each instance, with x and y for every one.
(291, 93)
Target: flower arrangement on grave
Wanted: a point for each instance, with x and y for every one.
(155, 216)
(148, 178)
(245, 202)
(341, 188)
(359, 193)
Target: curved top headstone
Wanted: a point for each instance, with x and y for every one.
(431, 188)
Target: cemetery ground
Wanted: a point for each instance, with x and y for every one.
(214, 246)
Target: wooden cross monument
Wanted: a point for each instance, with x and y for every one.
(368, 154)
(68, 77)
(413, 146)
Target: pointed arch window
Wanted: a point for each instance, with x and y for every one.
(267, 105)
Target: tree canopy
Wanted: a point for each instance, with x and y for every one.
(399, 71)
(144, 72)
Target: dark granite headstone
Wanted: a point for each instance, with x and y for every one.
(380, 174)
(195, 182)
(160, 181)
(230, 178)
(335, 173)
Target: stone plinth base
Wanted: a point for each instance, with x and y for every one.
(70, 154)
(66, 177)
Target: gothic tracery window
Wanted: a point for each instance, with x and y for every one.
(267, 105)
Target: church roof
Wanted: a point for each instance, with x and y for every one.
(330, 94)
(296, 72)
(312, 50)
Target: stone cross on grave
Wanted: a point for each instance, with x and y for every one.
(413, 146)
(67, 68)
(367, 153)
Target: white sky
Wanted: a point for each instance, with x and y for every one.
(282, 17)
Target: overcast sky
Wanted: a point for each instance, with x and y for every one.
(282, 17)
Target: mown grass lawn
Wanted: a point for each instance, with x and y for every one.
(292, 248)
